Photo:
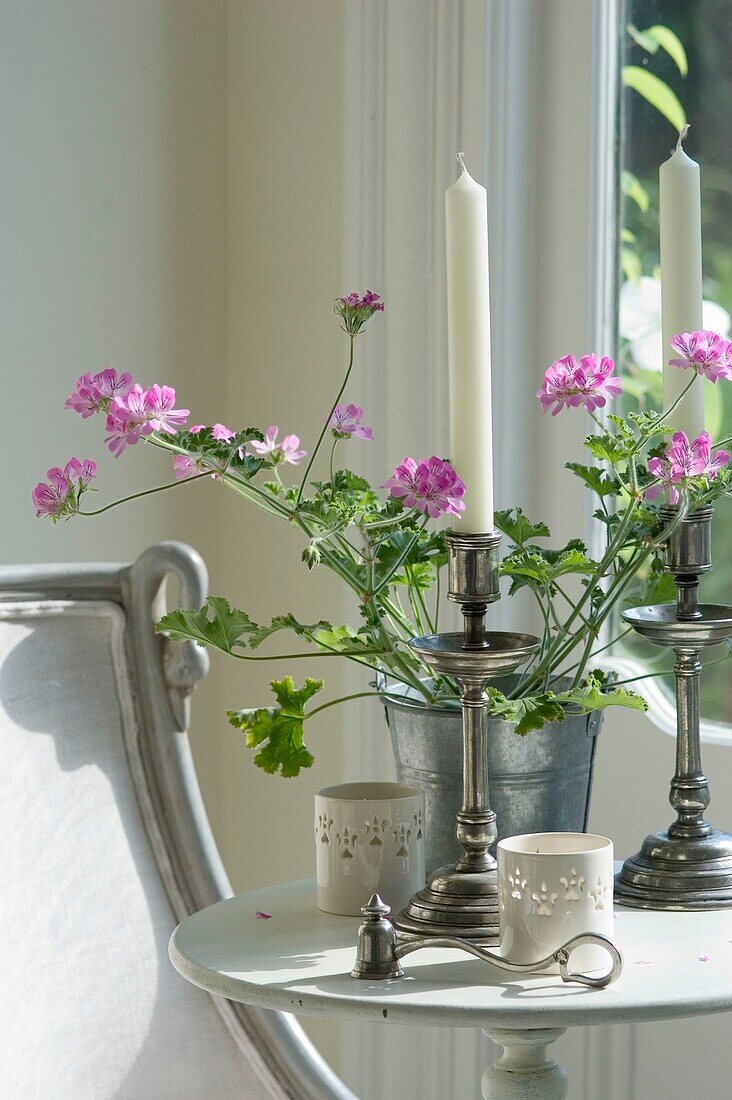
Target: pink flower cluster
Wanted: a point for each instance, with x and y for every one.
(682, 461)
(355, 309)
(187, 465)
(286, 451)
(60, 496)
(705, 352)
(346, 420)
(132, 411)
(430, 486)
(568, 383)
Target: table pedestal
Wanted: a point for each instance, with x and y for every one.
(523, 1071)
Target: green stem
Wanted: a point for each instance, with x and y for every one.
(343, 699)
(400, 560)
(438, 577)
(595, 652)
(619, 585)
(660, 419)
(559, 649)
(350, 653)
(327, 422)
(667, 672)
(145, 493)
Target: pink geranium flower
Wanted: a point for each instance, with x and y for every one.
(705, 352)
(286, 451)
(184, 466)
(122, 432)
(682, 462)
(86, 398)
(61, 494)
(128, 420)
(83, 472)
(139, 412)
(222, 433)
(159, 402)
(346, 420)
(568, 383)
(355, 309)
(430, 486)
(110, 384)
(94, 392)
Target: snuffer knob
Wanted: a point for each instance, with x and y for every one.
(375, 954)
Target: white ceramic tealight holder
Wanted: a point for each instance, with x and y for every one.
(369, 838)
(551, 887)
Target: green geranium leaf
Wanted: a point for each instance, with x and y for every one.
(542, 568)
(524, 567)
(420, 575)
(527, 714)
(658, 587)
(229, 455)
(216, 624)
(345, 481)
(595, 479)
(343, 639)
(595, 694)
(648, 424)
(427, 547)
(611, 448)
(513, 523)
(277, 732)
(286, 622)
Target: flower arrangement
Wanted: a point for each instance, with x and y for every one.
(384, 547)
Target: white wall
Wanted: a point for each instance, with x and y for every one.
(171, 183)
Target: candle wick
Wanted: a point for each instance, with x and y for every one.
(682, 137)
(461, 162)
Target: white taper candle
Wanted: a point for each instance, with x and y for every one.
(681, 280)
(469, 348)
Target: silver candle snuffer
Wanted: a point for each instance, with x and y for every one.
(380, 951)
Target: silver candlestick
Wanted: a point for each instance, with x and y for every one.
(462, 899)
(689, 866)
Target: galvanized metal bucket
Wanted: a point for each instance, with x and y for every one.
(537, 783)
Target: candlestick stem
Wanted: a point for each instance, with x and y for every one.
(689, 866)
(462, 900)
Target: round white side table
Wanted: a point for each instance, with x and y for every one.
(299, 960)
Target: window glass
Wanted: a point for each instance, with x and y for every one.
(686, 45)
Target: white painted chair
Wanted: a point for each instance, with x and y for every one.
(106, 845)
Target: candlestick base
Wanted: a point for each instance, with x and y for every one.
(689, 865)
(462, 900)
(679, 873)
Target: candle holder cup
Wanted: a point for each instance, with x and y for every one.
(689, 865)
(461, 900)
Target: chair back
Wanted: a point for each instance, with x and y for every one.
(107, 846)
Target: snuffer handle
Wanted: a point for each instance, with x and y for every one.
(379, 952)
